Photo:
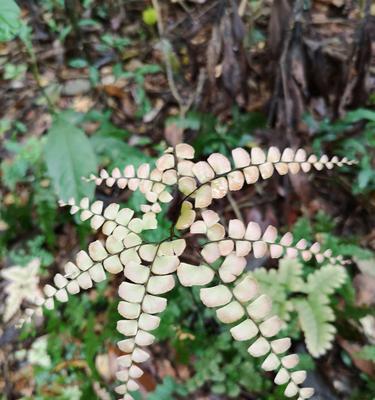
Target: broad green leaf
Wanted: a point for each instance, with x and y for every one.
(9, 19)
(364, 178)
(359, 114)
(69, 157)
(78, 63)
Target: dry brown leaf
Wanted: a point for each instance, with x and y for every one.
(353, 348)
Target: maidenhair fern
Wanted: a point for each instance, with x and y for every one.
(151, 269)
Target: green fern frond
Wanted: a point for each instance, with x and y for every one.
(315, 316)
(278, 283)
(326, 280)
(314, 312)
(270, 285)
(290, 274)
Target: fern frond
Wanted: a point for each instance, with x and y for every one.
(249, 313)
(314, 313)
(326, 280)
(242, 240)
(91, 266)
(246, 239)
(212, 179)
(153, 184)
(238, 301)
(147, 279)
(111, 219)
(122, 231)
(278, 283)
(315, 316)
(290, 274)
(149, 268)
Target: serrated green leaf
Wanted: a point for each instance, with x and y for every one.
(277, 283)
(314, 312)
(325, 280)
(9, 19)
(69, 157)
(315, 316)
(270, 285)
(290, 274)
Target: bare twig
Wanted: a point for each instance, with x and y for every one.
(37, 77)
(184, 104)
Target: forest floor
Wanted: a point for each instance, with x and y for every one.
(138, 75)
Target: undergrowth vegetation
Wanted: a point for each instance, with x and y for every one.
(90, 89)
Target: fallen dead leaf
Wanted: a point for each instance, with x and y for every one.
(173, 134)
(353, 349)
(365, 289)
(83, 104)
